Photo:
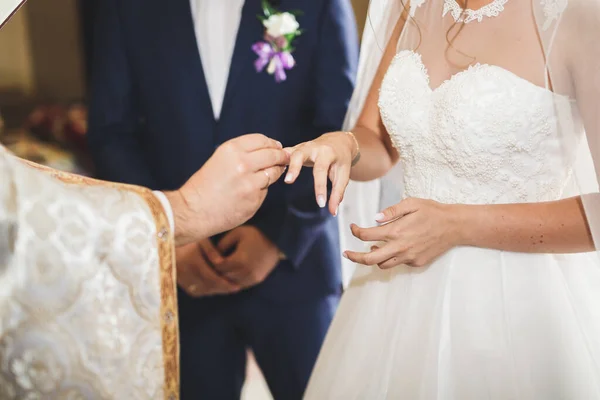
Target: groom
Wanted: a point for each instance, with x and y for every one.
(171, 81)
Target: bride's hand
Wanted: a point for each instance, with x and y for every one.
(415, 232)
(331, 156)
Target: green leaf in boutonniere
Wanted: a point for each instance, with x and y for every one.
(268, 10)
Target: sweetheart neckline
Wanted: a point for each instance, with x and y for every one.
(472, 68)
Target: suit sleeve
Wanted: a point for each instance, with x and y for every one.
(115, 125)
(336, 61)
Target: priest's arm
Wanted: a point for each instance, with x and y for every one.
(87, 276)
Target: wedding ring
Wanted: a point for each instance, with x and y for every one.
(268, 179)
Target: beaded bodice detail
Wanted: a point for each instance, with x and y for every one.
(484, 136)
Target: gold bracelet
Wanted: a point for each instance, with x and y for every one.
(356, 158)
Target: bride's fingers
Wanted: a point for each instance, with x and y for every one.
(340, 182)
(393, 262)
(320, 173)
(405, 258)
(399, 210)
(296, 162)
(375, 234)
(378, 256)
(291, 150)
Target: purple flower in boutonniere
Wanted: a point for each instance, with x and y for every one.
(275, 51)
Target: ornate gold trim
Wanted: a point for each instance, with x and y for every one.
(168, 283)
(168, 277)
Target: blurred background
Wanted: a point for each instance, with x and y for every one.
(44, 65)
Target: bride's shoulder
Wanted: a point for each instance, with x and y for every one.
(575, 14)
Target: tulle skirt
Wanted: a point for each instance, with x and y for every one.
(475, 324)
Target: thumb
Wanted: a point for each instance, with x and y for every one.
(229, 241)
(210, 251)
(396, 211)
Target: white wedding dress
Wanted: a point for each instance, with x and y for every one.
(476, 323)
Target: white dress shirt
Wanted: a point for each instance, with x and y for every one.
(168, 209)
(216, 23)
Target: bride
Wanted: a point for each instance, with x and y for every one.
(488, 283)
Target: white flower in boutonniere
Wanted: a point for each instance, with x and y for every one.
(281, 24)
(275, 51)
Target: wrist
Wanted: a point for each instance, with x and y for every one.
(354, 147)
(461, 224)
(183, 217)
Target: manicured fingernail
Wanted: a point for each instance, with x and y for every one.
(288, 178)
(279, 144)
(321, 201)
(379, 217)
(345, 255)
(335, 213)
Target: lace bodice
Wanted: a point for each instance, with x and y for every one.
(483, 136)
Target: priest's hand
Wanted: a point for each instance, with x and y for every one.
(196, 273)
(229, 189)
(252, 256)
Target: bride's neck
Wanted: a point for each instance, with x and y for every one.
(473, 4)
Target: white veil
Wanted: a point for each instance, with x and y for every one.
(365, 199)
(568, 42)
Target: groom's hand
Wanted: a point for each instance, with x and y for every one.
(229, 189)
(196, 273)
(252, 256)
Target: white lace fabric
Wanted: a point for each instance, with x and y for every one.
(458, 147)
(81, 306)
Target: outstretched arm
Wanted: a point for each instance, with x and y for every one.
(377, 154)
(332, 154)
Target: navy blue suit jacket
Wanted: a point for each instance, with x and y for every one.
(152, 124)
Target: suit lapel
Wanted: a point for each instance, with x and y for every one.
(182, 46)
(249, 32)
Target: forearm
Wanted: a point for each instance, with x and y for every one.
(550, 227)
(186, 228)
(377, 157)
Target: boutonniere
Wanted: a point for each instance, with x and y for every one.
(275, 50)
